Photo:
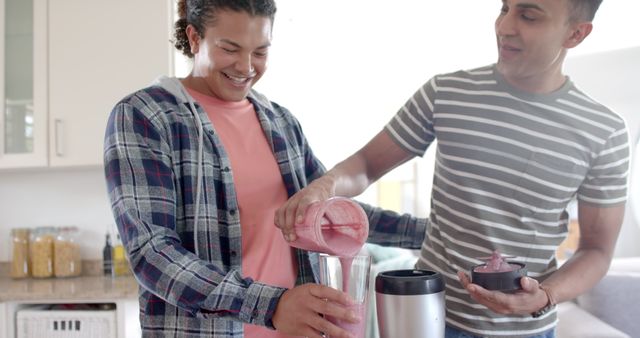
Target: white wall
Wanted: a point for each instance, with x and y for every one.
(338, 64)
(56, 197)
(343, 68)
(611, 77)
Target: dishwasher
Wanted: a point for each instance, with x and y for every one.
(67, 320)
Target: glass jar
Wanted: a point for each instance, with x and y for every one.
(19, 253)
(66, 253)
(41, 252)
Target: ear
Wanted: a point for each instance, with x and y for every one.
(194, 39)
(579, 32)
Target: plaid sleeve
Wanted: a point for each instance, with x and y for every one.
(389, 228)
(140, 182)
(313, 167)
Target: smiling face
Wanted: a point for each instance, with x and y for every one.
(533, 37)
(231, 56)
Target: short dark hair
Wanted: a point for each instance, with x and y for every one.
(583, 9)
(200, 13)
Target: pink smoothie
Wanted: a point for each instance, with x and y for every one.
(497, 263)
(359, 295)
(357, 329)
(336, 227)
(344, 240)
(345, 264)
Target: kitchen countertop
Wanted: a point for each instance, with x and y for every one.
(83, 288)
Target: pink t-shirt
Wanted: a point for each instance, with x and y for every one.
(266, 256)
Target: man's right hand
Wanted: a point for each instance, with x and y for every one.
(348, 178)
(292, 212)
(299, 311)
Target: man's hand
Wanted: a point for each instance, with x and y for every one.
(348, 178)
(292, 212)
(299, 311)
(523, 302)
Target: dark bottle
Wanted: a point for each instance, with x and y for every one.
(107, 259)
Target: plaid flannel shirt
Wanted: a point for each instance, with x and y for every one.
(150, 157)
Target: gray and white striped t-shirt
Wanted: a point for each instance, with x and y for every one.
(507, 165)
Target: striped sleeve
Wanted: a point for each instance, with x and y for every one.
(606, 181)
(412, 126)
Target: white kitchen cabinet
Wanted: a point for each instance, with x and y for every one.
(84, 55)
(18, 294)
(4, 325)
(127, 322)
(23, 83)
(99, 51)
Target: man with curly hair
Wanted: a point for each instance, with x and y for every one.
(196, 168)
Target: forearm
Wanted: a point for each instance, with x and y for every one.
(599, 228)
(579, 274)
(349, 178)
(165, 268)
(352, 176)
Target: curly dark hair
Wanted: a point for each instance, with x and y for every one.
(200, 13)
(583, 9)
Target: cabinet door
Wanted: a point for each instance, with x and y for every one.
(4, 318)
(100, 51)
(23, 83)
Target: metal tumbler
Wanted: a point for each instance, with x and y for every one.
(410, 304)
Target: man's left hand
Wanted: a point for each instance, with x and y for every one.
(522, 302)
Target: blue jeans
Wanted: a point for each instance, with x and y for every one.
(450, 332)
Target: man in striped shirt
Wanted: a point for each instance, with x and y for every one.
(516, 142)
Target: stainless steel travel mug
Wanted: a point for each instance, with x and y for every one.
(410, 304)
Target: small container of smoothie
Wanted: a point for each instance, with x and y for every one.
(337, 226)
(498, 274)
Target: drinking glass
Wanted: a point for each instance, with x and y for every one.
(351, 276)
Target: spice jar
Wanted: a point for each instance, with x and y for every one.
(41, 252)
(19, 253)
(66, 253)
(120, 262)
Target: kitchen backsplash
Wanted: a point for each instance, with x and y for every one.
(56, 197)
